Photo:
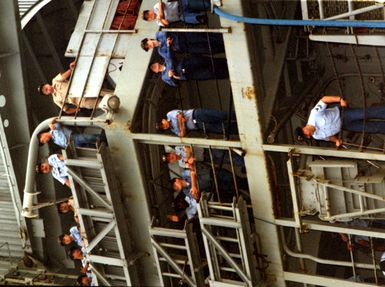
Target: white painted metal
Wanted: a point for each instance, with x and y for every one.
(10, 204)
(351, 37)
(356, 12)
(321, 280)
(29, 8)
(370, 40)
(211, 223)
(293, 189)
(328, 227)
(169, 140)
(250, 125)
(330, 152)
(179, 271)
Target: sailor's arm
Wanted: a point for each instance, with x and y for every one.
(336, 140)
(67, 73)
(335, 100)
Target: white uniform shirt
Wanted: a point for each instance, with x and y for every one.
(75, 233)
(326, 121)
(170, 10)
(174, 123)
(198, 153)
(59, 169)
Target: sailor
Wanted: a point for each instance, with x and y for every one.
(325, 123)
(192, 183)
(67, 206)
(58, 89)
(188, 11)
(187, 159)
(209, 120)
(183, 43)
(195, 68)
(57, 167)
(74, 236)
(61, 136)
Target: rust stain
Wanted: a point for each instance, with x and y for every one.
(114, 149)
(249, 93)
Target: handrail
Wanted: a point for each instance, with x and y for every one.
(29, 193)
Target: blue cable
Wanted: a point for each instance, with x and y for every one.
(289, 22)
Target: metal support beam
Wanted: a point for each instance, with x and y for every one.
(107, 260)
(354, 191)
(89, 189)
(220, 222)
(84, 163)
(100, 236)
(225, 255)
(354, 214)
(168, 232)
(95, 213)
(293, 190)
(197, 30)
(322, 151)
(99, 275)
(357, 11)
(321, 280)
(174, 140)
(111, 31)
(172, 263)
(335, 227)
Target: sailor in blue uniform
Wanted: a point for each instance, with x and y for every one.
(183, 43)
(195, 68)
(210, 120)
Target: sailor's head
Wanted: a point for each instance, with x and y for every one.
(45, 89)
(148, 15)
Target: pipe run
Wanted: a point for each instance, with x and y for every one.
(291, 253)
(29, 193)
(292, 22)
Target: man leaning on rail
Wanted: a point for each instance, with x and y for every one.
(325, 123)
(183, 43)
(208, 120)
(188, 11)
(59, 88)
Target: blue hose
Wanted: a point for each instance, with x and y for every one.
(289, 22)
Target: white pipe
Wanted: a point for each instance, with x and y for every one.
(356, 12)
(321, 260)
(33, 151)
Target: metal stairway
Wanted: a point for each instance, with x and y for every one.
(180, 259)
(100, 210)
(335, 190)
(229, 244)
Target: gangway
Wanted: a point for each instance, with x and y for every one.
(100, 210)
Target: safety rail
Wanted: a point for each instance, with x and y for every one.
(94, 45)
